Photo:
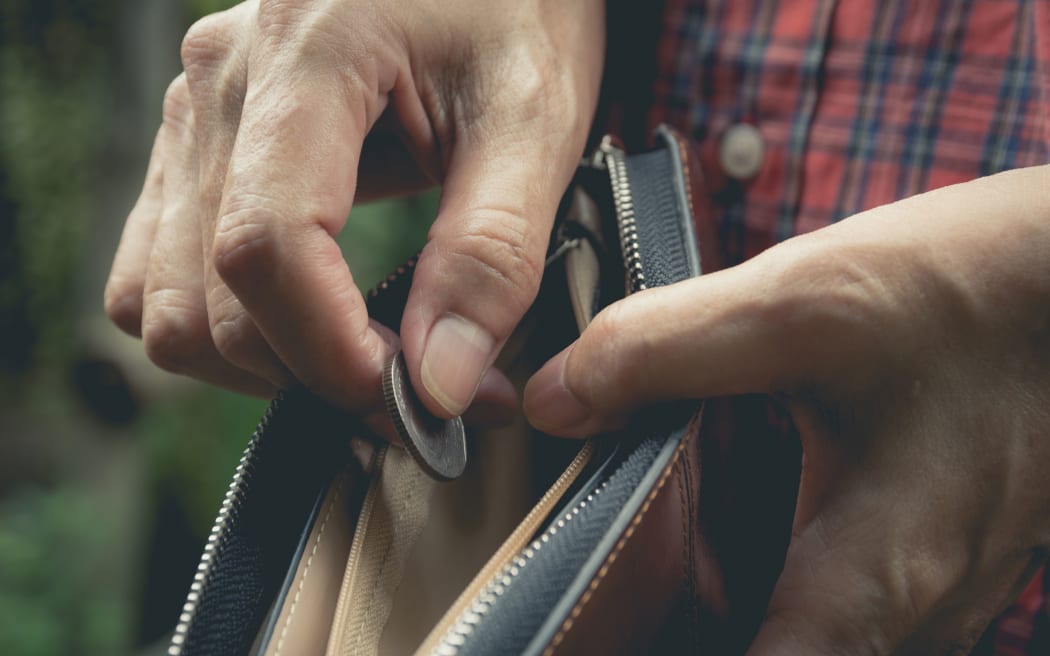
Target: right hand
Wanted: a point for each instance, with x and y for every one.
(227, 267)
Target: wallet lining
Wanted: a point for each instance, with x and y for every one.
(384, 537)
(510, 548)
(397, 514)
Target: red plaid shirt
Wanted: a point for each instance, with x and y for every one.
(858, 103)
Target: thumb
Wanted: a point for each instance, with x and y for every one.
(482, 266)
(731, 332)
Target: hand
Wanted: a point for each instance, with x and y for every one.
(228, 268)
(912, 346)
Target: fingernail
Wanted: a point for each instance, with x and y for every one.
(548, 401)
(455, 357)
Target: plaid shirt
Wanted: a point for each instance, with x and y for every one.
(858, 103)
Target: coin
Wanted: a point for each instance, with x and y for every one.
(437, 445)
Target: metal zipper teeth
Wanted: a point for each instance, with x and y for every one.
(335, 637)
(615, 162)
(457, 635)
(623, 202)
(218, 537)
(398, 273)
(235, 495)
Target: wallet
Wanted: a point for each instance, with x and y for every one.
(331, 542)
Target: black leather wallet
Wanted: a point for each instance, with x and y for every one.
(329, 541)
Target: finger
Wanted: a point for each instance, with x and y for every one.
(288, 190)
(495, 403)
(494, 407)
(754, 328)
(215, 56)
(127, 277)
(175, 328)
(482, 267)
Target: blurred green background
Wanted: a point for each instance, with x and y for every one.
(110, 470)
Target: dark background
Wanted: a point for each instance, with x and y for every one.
(110, 470)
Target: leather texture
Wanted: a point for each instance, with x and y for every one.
(634, 571)
(304, 622)
(636, 600)
(695, 575)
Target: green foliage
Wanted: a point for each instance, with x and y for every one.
(380, 236)
(49, 135)
(53, 83)
(56, 569)
(68, 554)
(199, 8)
(194, 442)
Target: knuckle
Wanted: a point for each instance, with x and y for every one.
(536, 89)
(499, 247)
(178, 110)
(297, 32)
(277, 18)
(123, 304)
(916, 580)
(843, 275)
(174, 335)
(610, 350)
(533, 92)
(234, 333)
(830, 299)
(244, 241)
(207, 43)
(216, 64)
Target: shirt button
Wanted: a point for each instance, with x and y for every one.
(741, 150)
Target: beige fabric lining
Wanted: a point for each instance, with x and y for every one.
(304, 623)
(398, 515)
(418, 544)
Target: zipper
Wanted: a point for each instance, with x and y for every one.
(478, 599)
(615, 163)
(507, 563)
(218, 537)
(240, 487)
(609, 156)
(363, 517)
(392, 279)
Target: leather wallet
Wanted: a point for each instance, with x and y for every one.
(329, 541)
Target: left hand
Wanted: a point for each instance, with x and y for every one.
(912, 346)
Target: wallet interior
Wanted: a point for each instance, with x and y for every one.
(392, 556)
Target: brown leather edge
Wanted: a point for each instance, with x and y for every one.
(609, 634)
(702, 215)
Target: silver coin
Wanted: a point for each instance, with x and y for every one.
(438, 446)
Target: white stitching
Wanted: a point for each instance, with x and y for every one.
(577, 610)
(310, 561)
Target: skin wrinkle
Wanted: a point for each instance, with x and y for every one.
(173, 333)
(209, 43)
(234, 334)
(954, 443)
(177, 108)
(928, 319)
(499, 242)
(273, 99)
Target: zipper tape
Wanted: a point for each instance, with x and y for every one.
(460, 614)
(518, 613)
(259, 527)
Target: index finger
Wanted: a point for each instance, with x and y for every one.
(289, 188)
